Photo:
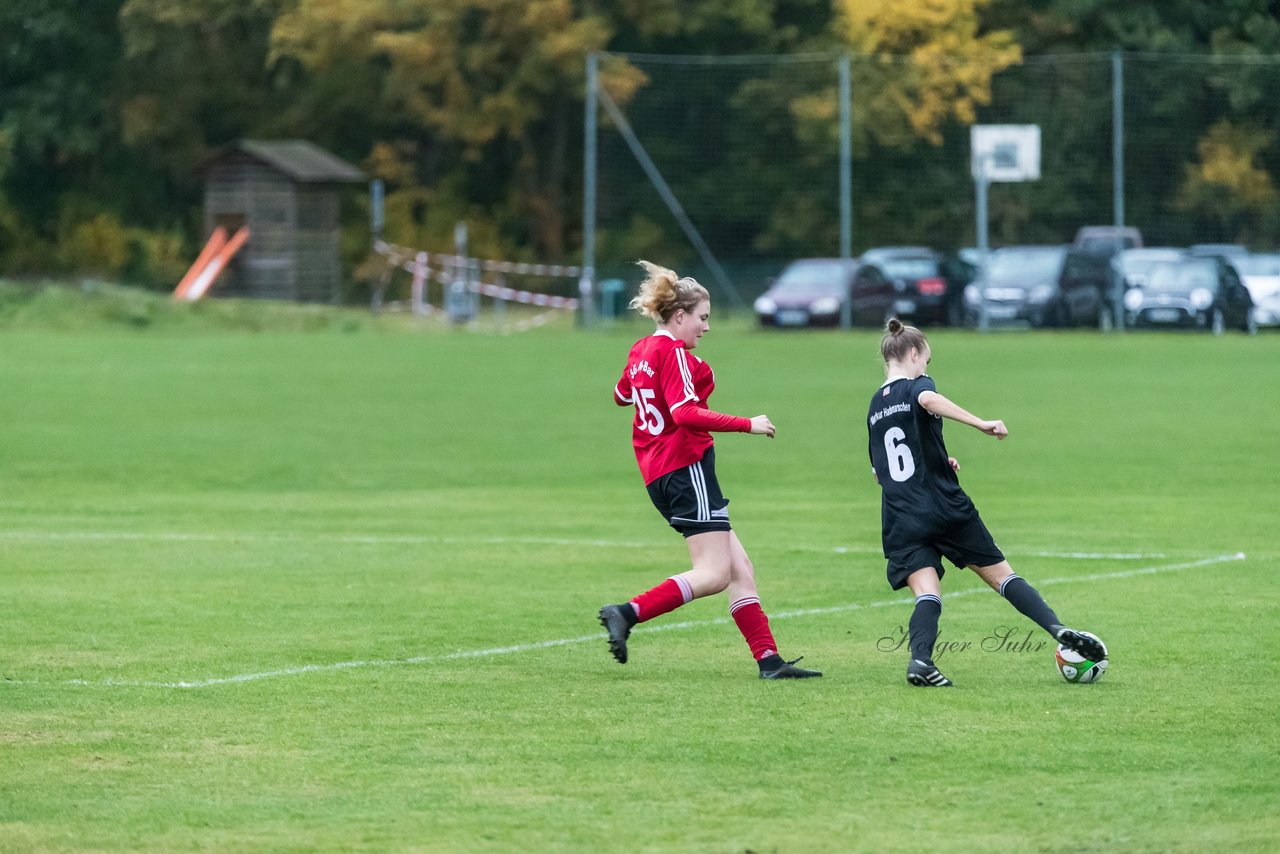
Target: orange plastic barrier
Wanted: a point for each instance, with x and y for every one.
(215, 255)
(216, 241)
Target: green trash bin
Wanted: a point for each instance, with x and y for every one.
(611, 301)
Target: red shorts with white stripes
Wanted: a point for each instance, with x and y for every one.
(690, 498)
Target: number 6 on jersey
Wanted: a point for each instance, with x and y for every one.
(901, 464)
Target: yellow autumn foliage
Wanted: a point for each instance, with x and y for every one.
(935, 64)
(1229, 160)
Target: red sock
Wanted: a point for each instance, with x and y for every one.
(754, 625)
(667, 596)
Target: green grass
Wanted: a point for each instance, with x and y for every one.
(92, 306)
(224, 510)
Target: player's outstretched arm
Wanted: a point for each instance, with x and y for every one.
(697, 417)
(944, 408)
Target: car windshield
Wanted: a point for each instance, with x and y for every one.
(1103, 243)
(1184, 277)
(1025, 264)
(812, 277)
(1258, 265)
(1140, 263)
(910, 268)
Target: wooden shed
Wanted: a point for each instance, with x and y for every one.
(288, 192)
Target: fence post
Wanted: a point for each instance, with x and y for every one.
(982, 184)
(458, 300)
(846, 160)
(586, 282)
(417, 290)
(1117, 182)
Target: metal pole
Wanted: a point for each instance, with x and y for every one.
(586, 282)
(377, 215)
(982, 182)
(673, 204)
(1117, 179)
(458, 299)
(1117, 136)
(846, 160)
(418, 288)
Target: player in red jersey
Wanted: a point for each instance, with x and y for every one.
(671, 432)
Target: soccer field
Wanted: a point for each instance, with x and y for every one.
(338, 592)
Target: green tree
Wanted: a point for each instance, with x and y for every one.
(480, 100)
(58, 61)
(194, 77)
(1178, 99)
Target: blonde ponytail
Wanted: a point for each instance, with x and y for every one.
(663, 293)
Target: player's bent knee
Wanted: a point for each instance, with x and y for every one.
(995, 574)
(710, 577)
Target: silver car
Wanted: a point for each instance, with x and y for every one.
(1261, 275)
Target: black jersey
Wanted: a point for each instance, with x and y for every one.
(920, 493)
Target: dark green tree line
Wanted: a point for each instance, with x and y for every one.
(472, 109)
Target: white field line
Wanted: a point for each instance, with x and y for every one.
(430, 539)
(596, 637)
(361, 539)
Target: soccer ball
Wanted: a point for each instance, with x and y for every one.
(1076, 668)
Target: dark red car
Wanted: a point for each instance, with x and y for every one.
(827, 292)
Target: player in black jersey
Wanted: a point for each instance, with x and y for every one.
(926, 516)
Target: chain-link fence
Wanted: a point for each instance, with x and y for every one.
(751, 149)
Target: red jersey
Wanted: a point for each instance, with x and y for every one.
(669, 388)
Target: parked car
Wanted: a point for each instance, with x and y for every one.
(1221, 250)
(1134, 265)
(1090, 290)
(1201, 293)
(820, 291)
(929, 285)
(1107, 239)
(1043, 286)
(1020, 283)
(1261, 275)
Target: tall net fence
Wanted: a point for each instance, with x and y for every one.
(1202, 149)
(750, 147)
(724, 137)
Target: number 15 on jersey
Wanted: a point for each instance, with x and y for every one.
(651, 419)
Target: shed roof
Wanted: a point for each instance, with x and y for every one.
(301, 160)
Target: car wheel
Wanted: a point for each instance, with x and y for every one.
(1218, 323)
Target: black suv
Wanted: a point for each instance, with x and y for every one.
(928, 285)
(1044, 286)
(1089, 294)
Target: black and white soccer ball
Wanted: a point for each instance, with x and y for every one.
(1076, 668)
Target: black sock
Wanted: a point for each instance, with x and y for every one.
(1029, 603)
(924, 626)
(771, 662)
(629, 614)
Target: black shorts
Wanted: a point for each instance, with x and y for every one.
(964, 543)
(690, 499)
